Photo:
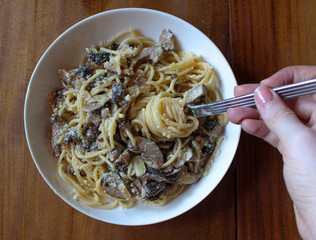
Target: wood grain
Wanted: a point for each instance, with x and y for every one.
(256, 37)
(265, 37)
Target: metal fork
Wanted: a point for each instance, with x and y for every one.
(285, 92)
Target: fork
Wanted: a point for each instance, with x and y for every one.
(285, 92)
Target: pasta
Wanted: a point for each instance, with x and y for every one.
(120, 126)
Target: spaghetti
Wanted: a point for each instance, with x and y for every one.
(120, 128)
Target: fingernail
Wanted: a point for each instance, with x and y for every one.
(263, 95)
(235, 89)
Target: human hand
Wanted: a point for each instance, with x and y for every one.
(290, 127)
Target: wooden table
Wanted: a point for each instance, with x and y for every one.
(257, 38)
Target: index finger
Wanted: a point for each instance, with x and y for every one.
(290, 75)
(245, 89)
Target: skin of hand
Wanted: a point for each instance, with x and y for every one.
(290, 126)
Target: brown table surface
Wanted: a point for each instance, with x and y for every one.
(257, 38)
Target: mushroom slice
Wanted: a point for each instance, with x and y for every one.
(58, 130)
(171, 189)
(212, 128)
(67, 77)
(174, 174)
(149, 150)
(136, 187)
(154, 182)
(166, 40)
(152, 53)
(154, 174)
(118, 92)
(116, 152)
(152, 190)
(84, 70)
(99, 58)
(113, 185)
(72, 135)
(197, 95)
(91, 132)
(123, 161)
(186, 154)
(124, 125)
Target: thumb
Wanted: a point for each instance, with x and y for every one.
(280, 119)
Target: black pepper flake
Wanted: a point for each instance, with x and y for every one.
(114, 46)
(174, 75)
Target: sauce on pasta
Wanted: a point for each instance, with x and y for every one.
(120, 128)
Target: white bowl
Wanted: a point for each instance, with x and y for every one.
(66, 52)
